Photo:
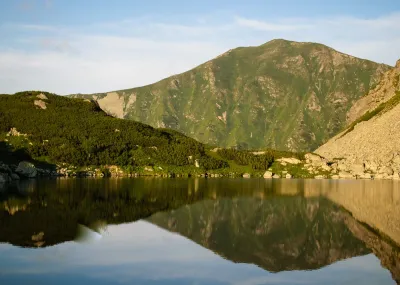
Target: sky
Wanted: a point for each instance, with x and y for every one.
(142, 253)
(74, 46)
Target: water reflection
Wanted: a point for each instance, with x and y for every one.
(337, 227)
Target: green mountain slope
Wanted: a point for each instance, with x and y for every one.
(75, 131)
(284, 95)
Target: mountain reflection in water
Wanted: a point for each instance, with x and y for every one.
(284, 226)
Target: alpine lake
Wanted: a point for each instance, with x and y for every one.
(200, 231)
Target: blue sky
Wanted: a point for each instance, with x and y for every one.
(70, 46)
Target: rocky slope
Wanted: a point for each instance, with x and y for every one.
(371, 144)
(283, 94)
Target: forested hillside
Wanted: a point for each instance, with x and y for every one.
(58, 129)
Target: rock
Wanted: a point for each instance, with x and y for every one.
(4, 177)
(5, 168)
(14, 176)
(357, 169)
(345, 175)
(312, 157)
(335, 177)
(326, 167)
(365, 176)
(319, 177)
(268, 174)
(41, 104)
(396, 176)
(148, 168)
(288, 176)
(386, 170)
(372, 166)
(379, 176)
(290, 160)
(283, 163)
(26, 169)
(38, 237)
(42, 96)
(246, 175)
(276, 176)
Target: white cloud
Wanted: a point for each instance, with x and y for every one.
(134, 52)
(268, 26)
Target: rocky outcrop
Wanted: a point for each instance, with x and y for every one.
(384, 90)
(370, 145)
(41, 104)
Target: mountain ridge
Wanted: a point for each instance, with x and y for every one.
(282, 94)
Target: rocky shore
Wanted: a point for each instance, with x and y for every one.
(313, 167)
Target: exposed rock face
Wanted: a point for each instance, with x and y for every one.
(26, 169)
(42, 96)
(385, 90)
(256, 97)
(41, 104)
(371, 143)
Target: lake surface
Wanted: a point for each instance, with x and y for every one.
(200, 231)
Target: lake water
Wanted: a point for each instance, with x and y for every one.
(200, 231)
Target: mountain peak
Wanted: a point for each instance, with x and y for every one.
(255, 97)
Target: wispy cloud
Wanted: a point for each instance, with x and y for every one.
(269, 26)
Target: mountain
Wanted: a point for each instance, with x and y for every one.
(371, 142)
(283, 94)
(277, 234)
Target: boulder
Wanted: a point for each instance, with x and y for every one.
(4, 168)
(288, 176)
(148, 168)
(365, 176)
(371, 165)
(14, 176)
(268, 174)
(276, 176)
(386, 170)
(26, 169)
(345, 175)
(246, 175)
(380, 176)
(357, 169)
(4, 177)
(319, 177)
(310, 157)
(326, 167)
(396, 176)
(335, 177)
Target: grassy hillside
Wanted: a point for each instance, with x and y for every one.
(284, 95)
(56, 129)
